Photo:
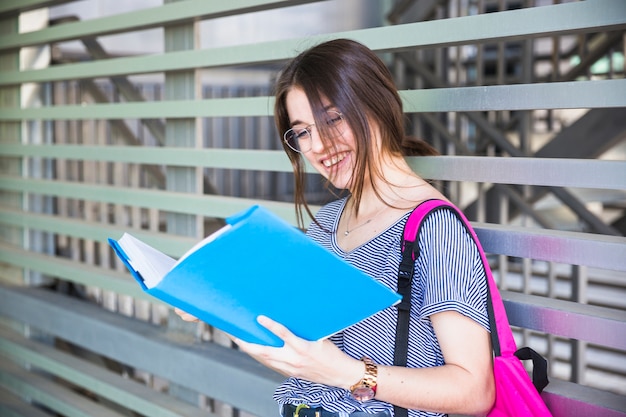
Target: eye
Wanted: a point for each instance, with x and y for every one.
(334, 119)
(299, 133)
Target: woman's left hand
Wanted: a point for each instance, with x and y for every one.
(319, 361)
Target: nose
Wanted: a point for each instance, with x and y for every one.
(317, 143)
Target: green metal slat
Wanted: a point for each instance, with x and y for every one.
(566, 95)
(168, 14)
(569, 18)
(219, 372)
(130, 394)
(70, 270)
(598, 325)
(559, 172)
(172, 245)
(204, 205)
(54, 396)
(259, 160)
(575, 248)
(12, 405)
(13, 7)
(569, 399)
(251, 106)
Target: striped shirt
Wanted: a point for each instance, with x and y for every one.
(448, 276)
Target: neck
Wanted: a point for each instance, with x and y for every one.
(394, 185)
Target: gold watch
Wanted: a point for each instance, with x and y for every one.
(365, 389)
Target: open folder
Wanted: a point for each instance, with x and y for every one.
(258, 264)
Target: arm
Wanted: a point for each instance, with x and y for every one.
(463, 385)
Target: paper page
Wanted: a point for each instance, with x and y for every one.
(151, 264)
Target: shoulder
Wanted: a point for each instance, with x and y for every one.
(444, 216)
(444, 227)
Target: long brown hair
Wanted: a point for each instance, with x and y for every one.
(356, 82)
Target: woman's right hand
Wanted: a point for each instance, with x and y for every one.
(185, 316)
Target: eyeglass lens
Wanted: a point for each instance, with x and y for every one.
(299, 138)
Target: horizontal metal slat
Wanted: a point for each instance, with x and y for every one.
(176, 202)
(567, 95)
(14, 7)
(73, 271)
(556, 172)
(95, 379)
(598, 325)
(170, 244)
(210, 369)
(574, 400)
(559, 172)
(249, 106)
(245, 159)
(576, 17)
(168, 14)
(575, 248)
(62, 399)
(563, 95)
(13, 406)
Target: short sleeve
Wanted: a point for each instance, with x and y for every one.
(449, 270)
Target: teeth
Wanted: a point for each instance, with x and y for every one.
(332, 161)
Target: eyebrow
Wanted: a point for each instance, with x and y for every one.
(297, 122)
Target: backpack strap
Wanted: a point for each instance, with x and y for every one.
(410, 252)
(502, 339)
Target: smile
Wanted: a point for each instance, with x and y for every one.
(334, 160)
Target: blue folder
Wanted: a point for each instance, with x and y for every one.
(264, 266)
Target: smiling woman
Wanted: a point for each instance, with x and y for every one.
(339, 110)
(348, 78)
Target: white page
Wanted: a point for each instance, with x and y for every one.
(151, 264)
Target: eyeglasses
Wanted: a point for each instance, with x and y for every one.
(299, 138)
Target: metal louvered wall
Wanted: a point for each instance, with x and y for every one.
(99, 155)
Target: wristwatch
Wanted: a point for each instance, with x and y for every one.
(365, 389)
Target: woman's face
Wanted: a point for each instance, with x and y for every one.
(335, 160)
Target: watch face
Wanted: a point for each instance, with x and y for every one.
(363, 393)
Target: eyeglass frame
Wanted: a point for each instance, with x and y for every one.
(307, 129)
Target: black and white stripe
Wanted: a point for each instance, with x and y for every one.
(448, 276)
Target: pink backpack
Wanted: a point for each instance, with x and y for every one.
(516, 393)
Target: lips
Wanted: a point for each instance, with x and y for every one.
(334, 160)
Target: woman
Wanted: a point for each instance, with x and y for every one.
(339, 109)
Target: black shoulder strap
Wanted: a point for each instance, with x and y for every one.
(410, 252)
(405, 279)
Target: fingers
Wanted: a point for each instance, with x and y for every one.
(185, 316)
(261, 352)
(274, 327)
(278, 329)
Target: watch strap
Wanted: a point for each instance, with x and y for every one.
(369, 378)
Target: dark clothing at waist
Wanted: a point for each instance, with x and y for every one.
(289, 410)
